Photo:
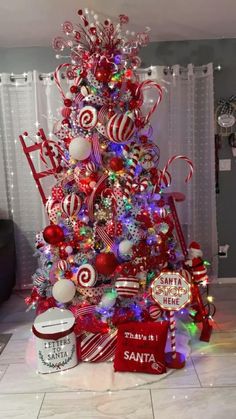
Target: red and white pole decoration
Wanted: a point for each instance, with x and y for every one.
(172, 334)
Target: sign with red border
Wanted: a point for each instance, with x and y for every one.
(171, 291)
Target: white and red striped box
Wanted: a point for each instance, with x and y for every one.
(55, 340)
(97, 347)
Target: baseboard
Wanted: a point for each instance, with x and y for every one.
(227, 280)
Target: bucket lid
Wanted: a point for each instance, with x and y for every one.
(54, 320)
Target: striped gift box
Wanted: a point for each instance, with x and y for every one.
(127, 286)
(97, 347)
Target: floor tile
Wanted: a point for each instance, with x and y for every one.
(14, 352)
(209, 403)
(18, 330)
(20, 406)
(186, 377)
(216, 371)
(221, 344)
(127, 404)
(3, 369)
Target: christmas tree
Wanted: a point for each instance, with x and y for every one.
(112, 227)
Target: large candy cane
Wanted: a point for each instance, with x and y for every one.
(149, 84)
(134, 155)
(179, 157)
(57, 77)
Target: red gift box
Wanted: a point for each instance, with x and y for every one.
(141, 347)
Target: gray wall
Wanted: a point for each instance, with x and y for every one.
(223, 52)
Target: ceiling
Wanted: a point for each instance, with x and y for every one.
(35, 22)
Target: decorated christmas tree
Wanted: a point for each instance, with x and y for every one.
(112, 225)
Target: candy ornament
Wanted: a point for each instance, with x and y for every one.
(120, 128)
(87, 117)
(71, 205)
(86, 275)
(53, 234)
(125, 247)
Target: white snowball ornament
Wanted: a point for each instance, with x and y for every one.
(125, 247)
(79, 148)
(63, 290)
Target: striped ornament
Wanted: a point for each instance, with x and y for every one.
(86, 275)
(41, 283)
(155, 312)
(62, 265)
(127, 287)
(98, 347)
(71, 204)
(87, 117)
(103, 114)
(120, 128)
(163, 212)
(140, 185)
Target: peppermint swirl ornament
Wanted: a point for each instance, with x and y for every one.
(86, 275)
(87, 117)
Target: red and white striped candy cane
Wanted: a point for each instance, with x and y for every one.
(135, 153)
(57, 77)
(149, 84)
(178, 157)
(172, 334)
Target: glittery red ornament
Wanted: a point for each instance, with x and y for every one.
(116, 164)
(102, 74)
(74, 89)
(53, 234)
(106, 263)
(67, 103)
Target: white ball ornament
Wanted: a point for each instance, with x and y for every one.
(125, 247)
(79, 148)
(63, 290)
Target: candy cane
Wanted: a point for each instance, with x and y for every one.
(139, 92)
(179, 157)
(93, 195)
(57, 77)
(129, 179)
(172, 334)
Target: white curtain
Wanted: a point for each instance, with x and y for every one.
(184, 124)
(27, 102)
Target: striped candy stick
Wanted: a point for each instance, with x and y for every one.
(177, 157)
(134, 155)
(172, 334)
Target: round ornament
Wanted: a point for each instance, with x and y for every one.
(87, 117)
(125, 247)
(116, 164)
(62, 265)
(63, 290)
(226, 120)
(71, 204)
(53, 234)
(127, 286)
(79, 148)
(155, 312)
(120, 128)
(86, 275)
(106, 263)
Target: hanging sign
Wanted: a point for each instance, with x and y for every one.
(171, 291)
(226, 120)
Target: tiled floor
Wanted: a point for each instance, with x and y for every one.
(206, 387)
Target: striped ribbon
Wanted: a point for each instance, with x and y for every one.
(96, 149)
(172, 334)
(178, 157)
(101, 232)
(129, 179)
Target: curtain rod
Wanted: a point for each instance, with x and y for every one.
(166, 70)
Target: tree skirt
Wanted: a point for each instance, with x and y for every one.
(101, 376)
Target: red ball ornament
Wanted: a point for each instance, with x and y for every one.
(67, 103)
(106, 263)
(102, 74)
(74, 89)
(53, 234)
(116, 164)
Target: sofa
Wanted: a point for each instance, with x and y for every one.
(7, 259)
